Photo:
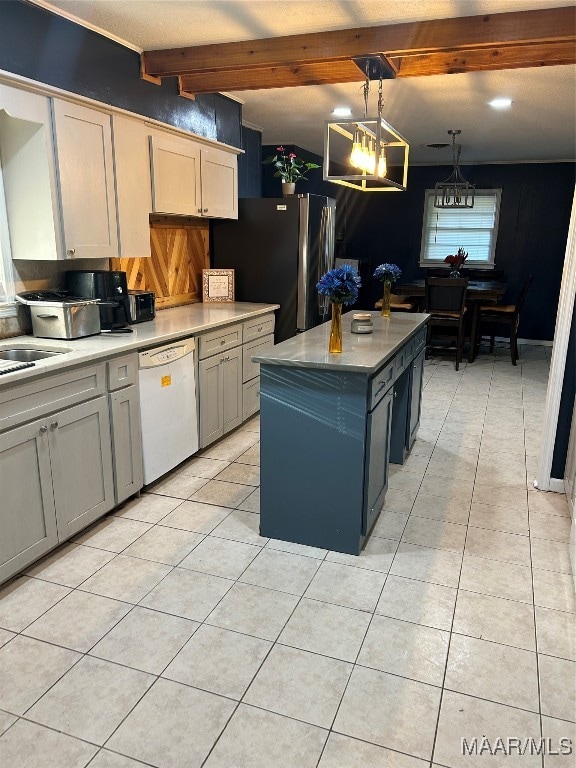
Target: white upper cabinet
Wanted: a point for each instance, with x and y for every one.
(191, 179)
(28, 174)
(175, 175)
(133, 186)
(86, 180)
(80, 182)
(219, 172)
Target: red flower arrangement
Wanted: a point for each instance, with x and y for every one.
(457, 259)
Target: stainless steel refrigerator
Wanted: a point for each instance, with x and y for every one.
(279, 248)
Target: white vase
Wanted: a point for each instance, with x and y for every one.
(288, 188)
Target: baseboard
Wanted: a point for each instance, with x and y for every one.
(536, 342)
(555, 485)
(532, 342)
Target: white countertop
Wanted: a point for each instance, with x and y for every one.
(169, 324)
(362, 353)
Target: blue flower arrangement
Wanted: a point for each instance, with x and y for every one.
(387, 272)
(340, 285)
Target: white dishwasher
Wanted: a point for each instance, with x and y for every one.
(167, 377)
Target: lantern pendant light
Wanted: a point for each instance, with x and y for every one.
(455, 191)
(367, 154)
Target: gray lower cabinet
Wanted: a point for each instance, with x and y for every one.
(125, 425)
(56, 478)
(126, 442)
(220, 391)
(81, 461)
(27, 514)
(251, 370)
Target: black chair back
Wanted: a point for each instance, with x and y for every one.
(522, 295)
(445, 294)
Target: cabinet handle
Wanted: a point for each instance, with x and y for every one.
(43, 430)
(205, 210)
(71, 251)
(54, 425)
(223, 341)
(395, 394)
(259, 329)
(199, 210)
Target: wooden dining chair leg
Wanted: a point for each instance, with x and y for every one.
(491, 344)
(514, 343)
(460, 345)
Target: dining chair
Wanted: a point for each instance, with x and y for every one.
(445, 302)
(397, 303)
(507, 315)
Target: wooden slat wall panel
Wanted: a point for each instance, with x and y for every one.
(180, 251)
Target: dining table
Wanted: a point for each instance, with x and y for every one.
(478, 292)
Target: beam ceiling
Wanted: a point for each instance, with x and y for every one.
(444, 46)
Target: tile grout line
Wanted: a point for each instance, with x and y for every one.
(451, 632)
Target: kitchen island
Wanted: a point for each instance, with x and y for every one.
(331, 423)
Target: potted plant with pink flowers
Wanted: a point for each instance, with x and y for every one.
(289, 168)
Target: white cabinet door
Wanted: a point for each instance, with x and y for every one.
(219, 183)
(86, 178)
(175, 175)
(27, 516)
(29, 175)
(133, 186)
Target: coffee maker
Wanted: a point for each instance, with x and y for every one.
(109, 287)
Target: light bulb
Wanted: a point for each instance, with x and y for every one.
(371, 158)
(382, 164)
(364, 151)
(356, 154)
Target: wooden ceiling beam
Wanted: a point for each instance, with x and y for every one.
(394, 40)
(488, 59)
(262, 78)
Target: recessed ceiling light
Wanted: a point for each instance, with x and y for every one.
(342, 112)
(500, 103)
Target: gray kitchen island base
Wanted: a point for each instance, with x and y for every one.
(328, 427)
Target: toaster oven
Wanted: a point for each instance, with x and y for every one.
(142, 306)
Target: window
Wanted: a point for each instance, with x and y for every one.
(444, 230)
(6, 275)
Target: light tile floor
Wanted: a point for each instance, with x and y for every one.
(171, 634)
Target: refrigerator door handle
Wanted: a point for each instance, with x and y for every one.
(323, 261)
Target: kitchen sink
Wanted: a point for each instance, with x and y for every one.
(22, 355)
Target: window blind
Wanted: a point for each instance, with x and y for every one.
(474, 229)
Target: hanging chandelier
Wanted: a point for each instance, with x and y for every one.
(367, 154)
(455, 191)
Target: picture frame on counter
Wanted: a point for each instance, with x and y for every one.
(217, 285)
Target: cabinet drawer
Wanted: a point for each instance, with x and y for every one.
(219, 341)
(250, 369)
(28, 401)
(419, 341)
(403, 358)
(259, 326)
(250, 398)
(122, 371)
(380, 384)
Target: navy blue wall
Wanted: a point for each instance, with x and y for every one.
(249, 165)
(534, 219)
(42, 46)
